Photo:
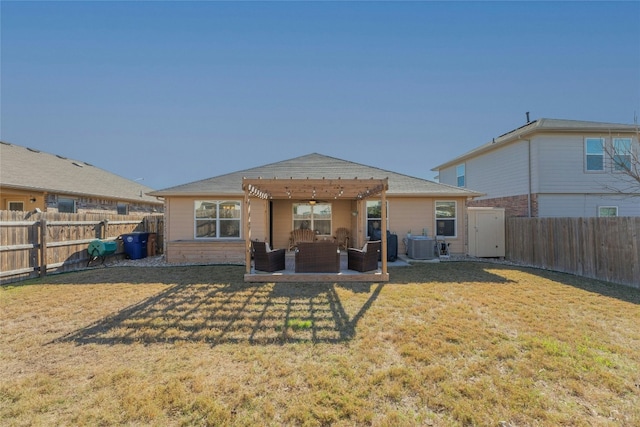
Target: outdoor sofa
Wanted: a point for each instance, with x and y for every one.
(317, 257)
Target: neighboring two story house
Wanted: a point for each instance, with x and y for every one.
(553, 168)
(31, 179)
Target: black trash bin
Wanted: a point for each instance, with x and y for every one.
(392, 247)
(135, 245)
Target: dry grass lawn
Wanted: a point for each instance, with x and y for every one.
(452, 343)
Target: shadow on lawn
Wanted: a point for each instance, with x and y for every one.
(232, 313)
(478, 272)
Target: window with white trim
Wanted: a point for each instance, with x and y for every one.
(374, 219)
(446, 218)
(217, 219)
(461, 178)
(316, 217)
(594, 154)
(621, 154)
(607, 211)
(15, 206)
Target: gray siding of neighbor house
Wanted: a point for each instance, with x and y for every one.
(560, 161)
(585, 205)
(498, 173)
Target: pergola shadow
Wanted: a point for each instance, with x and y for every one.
(273, 313)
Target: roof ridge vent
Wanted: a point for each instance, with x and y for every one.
(61, 157)
(77, 164)
(33, 149)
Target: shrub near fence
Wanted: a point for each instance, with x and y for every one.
(600, 248)
(33, 244)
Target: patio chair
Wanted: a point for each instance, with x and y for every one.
(342, 237)
(365, 259)
(265, 259)
(301, 235)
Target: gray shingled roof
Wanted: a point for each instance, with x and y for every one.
(541, 125)
(316, 166)
(28, 169)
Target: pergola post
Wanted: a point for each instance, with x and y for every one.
(383, 229)
(247, 231)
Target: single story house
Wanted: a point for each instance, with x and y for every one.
(214, 220)
(31, 179)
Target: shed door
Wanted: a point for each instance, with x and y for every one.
(486, 233)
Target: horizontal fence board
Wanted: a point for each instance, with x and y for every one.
(600, 248)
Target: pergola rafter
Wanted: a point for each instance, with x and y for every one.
(314, 188)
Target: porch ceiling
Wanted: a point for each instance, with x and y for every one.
(314, 189)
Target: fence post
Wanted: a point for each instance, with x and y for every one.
(43, 247)
(105, 226)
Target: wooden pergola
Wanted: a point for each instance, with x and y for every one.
(310, 189)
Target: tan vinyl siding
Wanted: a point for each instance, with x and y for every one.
(560, 163)
(417, 213)
(584, 205)
(259, 217)
(487, 173)
(282, 223)
(448, 176)
(180, 218)
(405, 213)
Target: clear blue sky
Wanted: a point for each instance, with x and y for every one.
(174, 92)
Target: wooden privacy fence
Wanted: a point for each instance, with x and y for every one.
(600, 248)
(32, 244)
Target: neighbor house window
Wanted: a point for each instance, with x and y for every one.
(622, 154)
(66, 205)
(604, 211)
(316, 217)
(594, 150)
(15, 206)
(123, 209)
(374, 219)
(217, 219)
(446, 218)
(460, 175)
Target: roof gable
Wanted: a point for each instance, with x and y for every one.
(315, 166)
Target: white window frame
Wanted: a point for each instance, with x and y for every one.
(217, 219)
(373, 218)
(440, 218)
(312, 219)
(461, 174)
(16, 202)
(601, 208)
(587, 154)
(621, 147)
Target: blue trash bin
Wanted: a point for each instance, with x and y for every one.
(135, 245)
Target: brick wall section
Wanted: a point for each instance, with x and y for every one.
(513, 205)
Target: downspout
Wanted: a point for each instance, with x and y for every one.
(529, 168)
(529, 185)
